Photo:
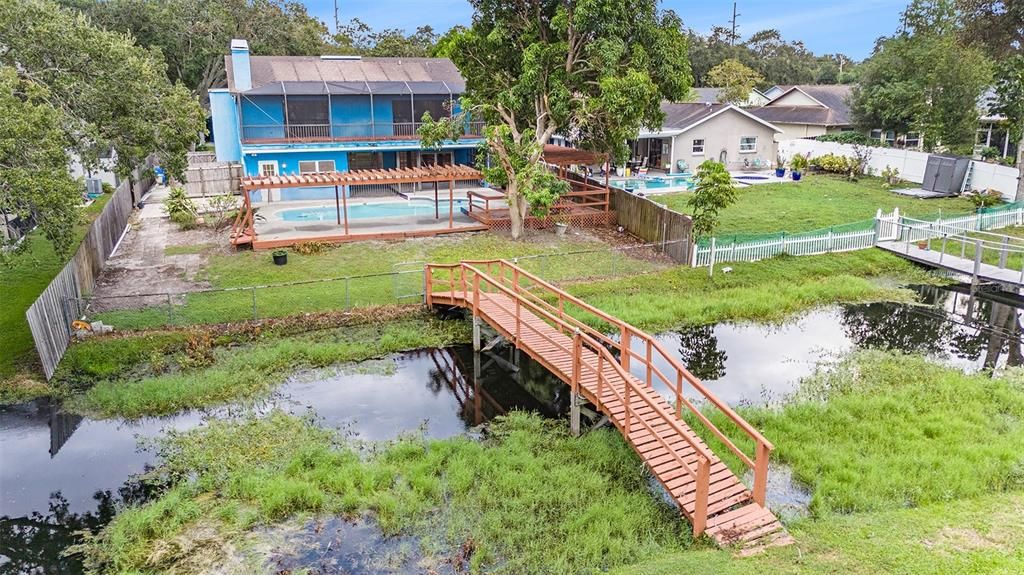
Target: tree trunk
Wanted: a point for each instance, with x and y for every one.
(1020, 171)
(515, 201)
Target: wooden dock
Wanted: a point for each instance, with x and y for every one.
(954, 263)
(537, 317)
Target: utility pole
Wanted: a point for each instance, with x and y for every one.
(335, 17)
(732, 37)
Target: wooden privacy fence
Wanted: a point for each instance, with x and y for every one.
(654, 223)
(206, 178)
(51, 315)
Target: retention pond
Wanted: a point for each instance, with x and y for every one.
(60, 472)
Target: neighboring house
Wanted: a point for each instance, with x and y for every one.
(993, 130)
(710, 96)
(807, 111)
(694, 132)
(283, 115)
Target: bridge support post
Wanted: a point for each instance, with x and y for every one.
(476, 333)
(575, 401)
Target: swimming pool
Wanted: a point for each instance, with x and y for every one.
(655, 183)
(420, 208)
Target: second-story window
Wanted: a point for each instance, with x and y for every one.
(314, 166)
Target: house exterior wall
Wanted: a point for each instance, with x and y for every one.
(795, 98)
(226, 133)
(797, 131)
(723, 132)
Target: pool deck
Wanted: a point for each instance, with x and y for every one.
(275, 232)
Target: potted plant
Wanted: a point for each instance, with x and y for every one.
(280, 257)
(561, 224)
(780, 167)
(797, 165)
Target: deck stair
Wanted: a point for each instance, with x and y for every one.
(619, 376)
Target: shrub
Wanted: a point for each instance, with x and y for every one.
(108, 188)
(984, 198)
(989, 153)
(181, 209)
(846, 138)
(891, 176)
(223, 208)
(833, 164)
(311, 248)
(798, 163)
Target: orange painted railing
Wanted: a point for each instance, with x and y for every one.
(560, 310)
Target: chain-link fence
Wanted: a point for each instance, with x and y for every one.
(403, 285)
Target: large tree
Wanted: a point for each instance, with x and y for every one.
(1009, 87)
(925, 78)
(105, 92)
(193, 35)
(357, 37)
(595, 71)
(735, 80)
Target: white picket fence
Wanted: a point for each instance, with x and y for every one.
(890, 226)
(910, 163)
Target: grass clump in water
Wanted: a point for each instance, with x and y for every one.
(215, 375)
(767, 290)
(883, 430)
(529, 498)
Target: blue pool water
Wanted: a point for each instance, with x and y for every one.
(655, 183)
(423, 208)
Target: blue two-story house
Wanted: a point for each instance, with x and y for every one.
(283, 115)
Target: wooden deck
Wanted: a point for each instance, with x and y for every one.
(519, 306)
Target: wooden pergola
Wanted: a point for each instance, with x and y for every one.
(244, 230)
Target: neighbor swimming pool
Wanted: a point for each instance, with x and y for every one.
(661, 183)
(420, 208)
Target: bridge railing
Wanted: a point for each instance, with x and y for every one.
(952, 238)
(569, 314)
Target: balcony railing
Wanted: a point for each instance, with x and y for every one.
(373, 131)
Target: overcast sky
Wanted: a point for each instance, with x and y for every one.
(825, 26)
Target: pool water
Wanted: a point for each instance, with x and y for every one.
(655, 183)
(421, 208)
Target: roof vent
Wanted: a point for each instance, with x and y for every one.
(340, 57)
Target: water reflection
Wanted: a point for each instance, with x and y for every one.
(757, 363)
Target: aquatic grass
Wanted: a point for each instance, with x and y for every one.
(529, 499)
(768, 290)
(975, 536)
(882, 429)
(239, 373)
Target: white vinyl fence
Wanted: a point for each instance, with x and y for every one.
(911, 164)
(855, 236)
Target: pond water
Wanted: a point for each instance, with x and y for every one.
(60, 472)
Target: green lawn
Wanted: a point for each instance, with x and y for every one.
(815, 202)
(570, 258)
(21, 283)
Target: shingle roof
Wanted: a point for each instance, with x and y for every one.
(833, 97)
(683, 115)
(382, 74)
(812, 115)
(706, 95)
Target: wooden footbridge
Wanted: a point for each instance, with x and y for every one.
(618, 376)
(982, 255)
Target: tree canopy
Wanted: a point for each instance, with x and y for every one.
(99, 90)
(735, 80)
(594, 71)
(193, 35)
(357, 37)
(925, 78)
(778, 61)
